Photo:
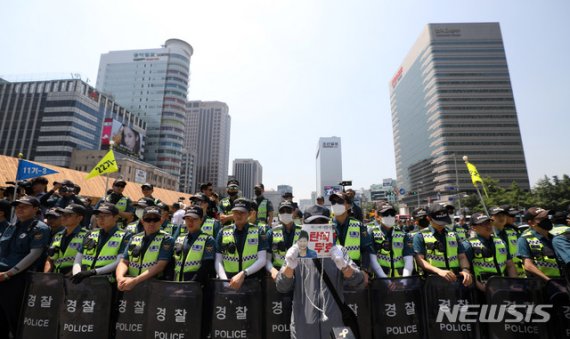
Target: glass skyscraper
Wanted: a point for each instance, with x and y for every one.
(154, 84)
(452, 97)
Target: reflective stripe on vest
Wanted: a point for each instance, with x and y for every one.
(193, 260)
(559, 230)
(262, 211)
(170, 228)
(108, 253)
(486, 266)
(437, 258)
(547, 265)
(512, 239)
(279, 257)
(132, 227)
(66, 259)
(384, 257)
(352, 239)
(232, 262)
(208, 226)
(461, 233)
(138, 265)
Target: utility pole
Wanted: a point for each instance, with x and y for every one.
(457, 184)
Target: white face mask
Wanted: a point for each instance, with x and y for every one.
(389, 221)
(338, 209)
(286, 217)
(139, 212)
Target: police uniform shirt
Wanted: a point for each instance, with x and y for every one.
(240, 237)
(420, 246)
(217, 227)
(408, 243)
(561, 244)
(488, 243)
(164, 253)
(523, 249)
(104, 236)
(226, 209)
(288, 237)
(17, 241)
(341, 230)
(3, 225)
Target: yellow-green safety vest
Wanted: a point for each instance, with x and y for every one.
(352, 239)
(121, 205)
(557, 230)
(461, 233)
(262, 212)
(208, 226)
(232, 263)
(170, 228)
(108, 253)
(64, 260)
(547, 264)
(443, 260)
(193, 260)
(512, 239)
(227, 209)
(493, 265)
(132, 227)
(391, 260)
(139, 264)
(279, 257)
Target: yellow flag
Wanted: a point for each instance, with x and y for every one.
(107, 165)
(475, 177)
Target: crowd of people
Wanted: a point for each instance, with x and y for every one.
(236, 239)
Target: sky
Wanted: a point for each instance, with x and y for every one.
(293, 71)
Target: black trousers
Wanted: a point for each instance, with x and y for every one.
(11, 295)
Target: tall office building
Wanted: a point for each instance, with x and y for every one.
(451, 97)
(208, 136)
(249, 173)
(154, 84)
(47, 120)
(329, 166)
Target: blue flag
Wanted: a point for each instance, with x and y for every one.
(27, 170)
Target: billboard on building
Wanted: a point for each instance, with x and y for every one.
(128, 138)
(329, 190)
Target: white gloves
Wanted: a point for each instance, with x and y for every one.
(339, 256)
(291, 258)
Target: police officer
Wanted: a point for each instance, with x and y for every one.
(66, 196)
(210, 226)
(147, 253)
(487, 254)
(226, 204)
(102, 248)
(121, 202)
(421, 221)
(21, 246)
(240, 248)
(281, 238)
(53, 220)
(535, 246)
(459, 230)
(137, 226)
(393, 249)
(5, 211)
(264, 207)
(167, 225)
(439, 251)
(350, 232)
(147, 191)
(64, 245)
(194, 251)
(561, 245)
(509, 234)
(355, 210)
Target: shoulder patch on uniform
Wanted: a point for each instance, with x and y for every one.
(166, 246)
(38, 236)
(364, 233)
(209, 248)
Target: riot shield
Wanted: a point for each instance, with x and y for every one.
(237, 313)
(442, 302)
(132, 307)
(85, 311)
(278, 308)
(396, 305)
(44, 295)
(359, 301)
(557, 295)
(174, 310)
(509, 297)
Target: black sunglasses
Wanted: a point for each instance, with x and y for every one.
(389, 214)
(151, 219)
(338, 202)
(121, 186)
